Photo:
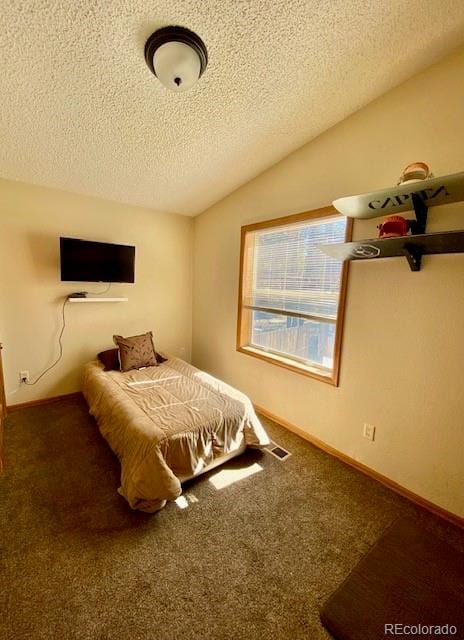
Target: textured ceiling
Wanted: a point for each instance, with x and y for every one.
(80, 110)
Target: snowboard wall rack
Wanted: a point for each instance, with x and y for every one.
(432, 191)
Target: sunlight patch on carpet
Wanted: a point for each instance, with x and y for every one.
(226, 477)
(181, 502)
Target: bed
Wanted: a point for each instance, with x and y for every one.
(168, 423)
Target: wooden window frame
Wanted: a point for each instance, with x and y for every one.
(243, 328)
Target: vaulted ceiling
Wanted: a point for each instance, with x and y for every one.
(80, 110)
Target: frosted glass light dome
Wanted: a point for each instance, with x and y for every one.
(176, 56)
(177, 66)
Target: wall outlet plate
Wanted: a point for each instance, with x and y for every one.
(369, 431)
(24, 376)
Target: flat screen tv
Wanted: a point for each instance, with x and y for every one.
(86, 261)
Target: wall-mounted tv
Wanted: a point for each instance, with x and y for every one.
(86, 261)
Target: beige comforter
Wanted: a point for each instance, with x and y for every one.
(167, 422)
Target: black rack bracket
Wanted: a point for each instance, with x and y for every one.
(413, 254)
(420, 209)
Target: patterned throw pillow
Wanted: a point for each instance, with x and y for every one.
(136, 351)
(110, 359)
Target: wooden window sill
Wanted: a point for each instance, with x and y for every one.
(317, 373)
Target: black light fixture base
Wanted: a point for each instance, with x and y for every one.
(175, 34)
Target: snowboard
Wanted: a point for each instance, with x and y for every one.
(433, 191)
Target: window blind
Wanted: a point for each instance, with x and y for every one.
(286, 273)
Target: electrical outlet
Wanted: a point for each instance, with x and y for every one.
(24, 376)
(369, 431)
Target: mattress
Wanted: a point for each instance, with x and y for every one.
(168, 423)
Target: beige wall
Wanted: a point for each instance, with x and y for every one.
(403, 349)
(31, 221)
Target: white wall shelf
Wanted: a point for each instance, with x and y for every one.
(95, 299)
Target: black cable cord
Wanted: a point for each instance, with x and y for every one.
(60, 344)
(100, 293)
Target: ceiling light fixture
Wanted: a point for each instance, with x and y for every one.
(176, 56)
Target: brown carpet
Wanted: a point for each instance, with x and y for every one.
(411, 578)
(256, 559)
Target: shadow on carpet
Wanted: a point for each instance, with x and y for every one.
(410, 580)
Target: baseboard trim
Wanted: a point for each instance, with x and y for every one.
(35, 403)
(368, 471)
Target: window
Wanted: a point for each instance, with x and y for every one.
(291, 296)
